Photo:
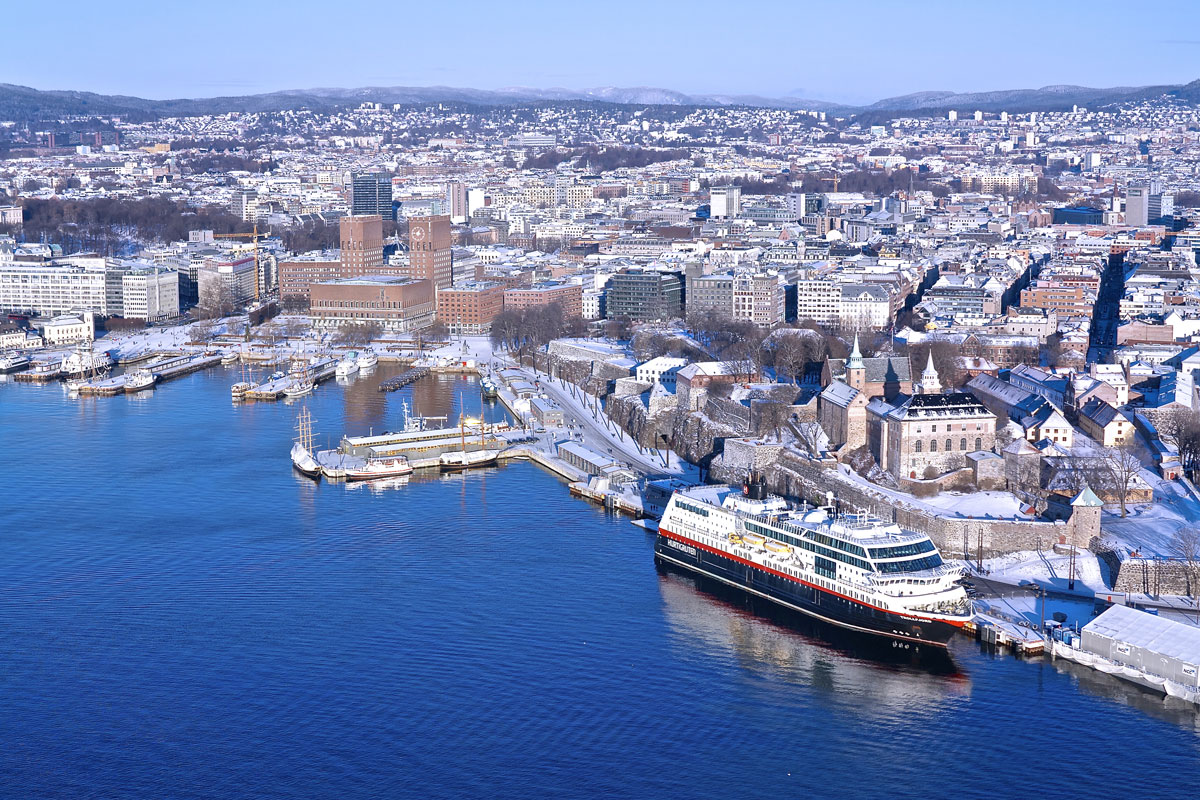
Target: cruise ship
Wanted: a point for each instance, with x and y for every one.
(851, 570)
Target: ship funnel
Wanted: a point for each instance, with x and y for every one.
(755, 487)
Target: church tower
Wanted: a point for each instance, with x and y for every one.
(930, 382)
(856, 370)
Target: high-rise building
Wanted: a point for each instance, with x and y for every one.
(429, 255)
(371, 193)
(456, 202)
(725, 202)
(362, 245)
(1137, 206)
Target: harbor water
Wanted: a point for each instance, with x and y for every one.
(183, 616)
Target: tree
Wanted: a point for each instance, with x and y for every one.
(791, 353)
(773, 415)
(1121, 467)
(1185, 545)
(1180, 427)
(506, 328)
(358, 334)
(619, 328)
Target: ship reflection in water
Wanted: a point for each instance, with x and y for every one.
(1109, 687)
(774, 643)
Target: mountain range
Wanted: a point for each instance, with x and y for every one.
(24, 103)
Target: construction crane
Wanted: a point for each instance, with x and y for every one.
(836, 180)
(254, 236)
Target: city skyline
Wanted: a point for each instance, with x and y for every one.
(814, 52)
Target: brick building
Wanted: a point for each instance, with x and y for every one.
(568, 295)
(362, 245)
(396, 303)
(430, 256)
(470, 307)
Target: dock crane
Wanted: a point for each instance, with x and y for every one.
(255, 237)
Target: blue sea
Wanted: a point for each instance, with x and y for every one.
(183, 616)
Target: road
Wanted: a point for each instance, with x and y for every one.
(596, 434)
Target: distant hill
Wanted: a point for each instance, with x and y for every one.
(23, 103)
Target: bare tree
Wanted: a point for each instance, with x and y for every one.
(1121, 467)
(791, 354)
(1180, 428)
(773, 415)
(1185, 545)
(809, 437)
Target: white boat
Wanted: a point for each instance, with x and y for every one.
(299, 388)
(457, 460)
(392, 467)
(14, 362)
(230, 358)
(302, 452)
(240, 388)
(85, 361)
(852, 570)
(138, 380)
(347, 366)
(367, 360)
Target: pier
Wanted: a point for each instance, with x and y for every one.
(404, 379)
(167, 369)
(318, 371)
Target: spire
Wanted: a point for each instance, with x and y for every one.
(856, 359)
(930, 382)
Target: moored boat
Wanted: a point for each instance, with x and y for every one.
(347, 366)
(393, 467)
(303, 460)
(851, 570)
(14, 363)
(299, 388)
(458, 460)
(139, 380)
(230, 358)
(367, 360)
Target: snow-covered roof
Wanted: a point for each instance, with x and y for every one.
(1157, 634)
(840, 394)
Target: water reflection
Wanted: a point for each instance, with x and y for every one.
(1109, 687)
(881, 677)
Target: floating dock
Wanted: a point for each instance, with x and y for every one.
(404, 379)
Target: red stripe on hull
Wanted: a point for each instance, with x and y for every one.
(793, 578)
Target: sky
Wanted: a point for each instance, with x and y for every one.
(847, 52)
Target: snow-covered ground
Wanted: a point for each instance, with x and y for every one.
(995, 505)
(1048, 569)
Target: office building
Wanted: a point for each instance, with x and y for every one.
(457, 205)
(569, 297)
(644, 296)
(469, 307)
(150, 293)
(725, 202)
(371, 193)
(298, 274)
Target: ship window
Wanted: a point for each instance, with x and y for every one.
(914, 565)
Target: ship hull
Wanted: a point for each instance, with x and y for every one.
(798, 596)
